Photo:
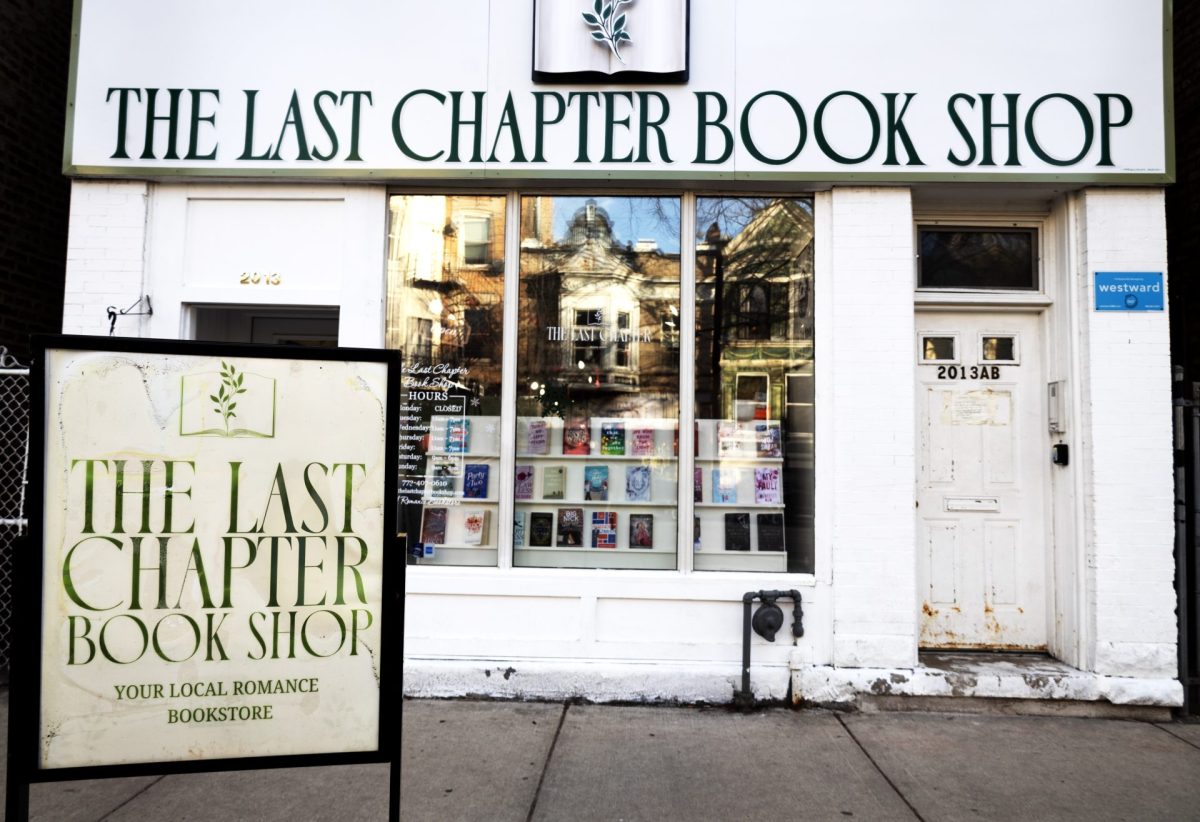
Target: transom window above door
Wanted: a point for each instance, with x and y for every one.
(960, 257)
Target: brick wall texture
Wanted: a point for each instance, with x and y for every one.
(33, 191)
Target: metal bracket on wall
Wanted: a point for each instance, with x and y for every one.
(113, 313)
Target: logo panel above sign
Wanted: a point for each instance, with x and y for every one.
(607, 41)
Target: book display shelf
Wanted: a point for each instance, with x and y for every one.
(595, 493)
(461, 495)
(738, 496)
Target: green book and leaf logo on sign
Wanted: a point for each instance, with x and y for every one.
(228, 403)
(610, 41)
(608, 30)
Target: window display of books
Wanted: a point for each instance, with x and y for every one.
(739, 496)
(461, 491)
(596, 492)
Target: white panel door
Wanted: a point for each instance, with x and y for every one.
(983, 453)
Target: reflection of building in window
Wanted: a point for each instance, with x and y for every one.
(419, 345)
(754, 272)
(445, 288)
(592, 313)
(476, 240)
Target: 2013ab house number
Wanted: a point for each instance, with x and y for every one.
(968, 372)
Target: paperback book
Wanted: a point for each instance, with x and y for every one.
(595, 483)
(641, 530)
(476, 522)
(767, 439)
(541, 529)
(553, 482)
(537, 437)
(458, 435)
(570, 527)
(642, 442)
(604, 529)
(695, 533)
(577, 436)
(737, 532)
(695, 439)
(770, 532)
(698, 485)
(724, 485)
(433, 526)
(612, 439)
(475, 482)
(766, 486)
(523, 482)
(518, 529)
(727, 439)
(637, 483)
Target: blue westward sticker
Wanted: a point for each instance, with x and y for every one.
(1129, 291)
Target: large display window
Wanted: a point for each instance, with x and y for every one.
(596, 475)
(587, 403)
(445, 295)
(753, 473)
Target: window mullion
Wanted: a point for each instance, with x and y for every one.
(508, 379)
(687, 377)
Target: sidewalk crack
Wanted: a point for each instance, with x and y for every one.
(1182, 739)
(546, 765)
(886, 778)
(130, 799)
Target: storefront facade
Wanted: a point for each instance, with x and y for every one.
(693, 300)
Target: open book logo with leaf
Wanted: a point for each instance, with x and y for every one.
(228, 403)
(608, 24)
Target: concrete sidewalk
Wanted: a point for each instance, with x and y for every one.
(500, 761)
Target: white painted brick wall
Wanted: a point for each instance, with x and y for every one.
(105, 255)
(1127, 437)
(874, 530)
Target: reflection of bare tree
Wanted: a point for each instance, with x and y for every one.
(754, 286)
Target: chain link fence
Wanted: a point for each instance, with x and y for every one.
(14, 464)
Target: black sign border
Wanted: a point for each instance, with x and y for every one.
(599, 78)
(28, 569)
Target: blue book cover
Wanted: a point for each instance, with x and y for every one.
(475, 482)
(724, 485)
(458, 435)
(595, 482)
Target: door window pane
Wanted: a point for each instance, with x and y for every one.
(445, 315)
(938, 349)
(999, 258)
(754, 370)
(596, 477)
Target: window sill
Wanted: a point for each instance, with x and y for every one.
(980, 299)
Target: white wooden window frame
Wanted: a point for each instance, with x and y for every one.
(823, 521)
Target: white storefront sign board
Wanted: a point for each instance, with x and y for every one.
(236, 610)
(401, 89)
